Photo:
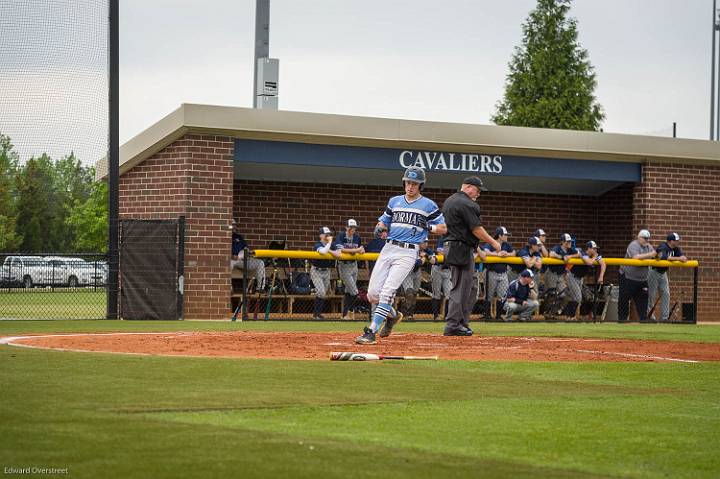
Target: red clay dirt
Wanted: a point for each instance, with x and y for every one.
(317, 346)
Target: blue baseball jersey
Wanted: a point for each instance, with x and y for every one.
(580, 271)
(428, 253)
(560, 268)
(324, 263)
(664, 251)
(409, 221)
(525, 253)
(238, 243)
(519, 291)
(375, 246)
(498, 267)
(343, 241)
(440, 248)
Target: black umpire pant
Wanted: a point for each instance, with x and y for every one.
(458, 313)
(638, 292)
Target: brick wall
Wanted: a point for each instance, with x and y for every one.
(191, 177)
(269, 210)
(684, 199)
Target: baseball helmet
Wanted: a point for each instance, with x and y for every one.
(415, 174)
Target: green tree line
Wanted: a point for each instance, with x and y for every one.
(50, 206)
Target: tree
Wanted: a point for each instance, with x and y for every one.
(551, 82)
(73, 185)
(39, 215)
(9, 240)
(88, 220)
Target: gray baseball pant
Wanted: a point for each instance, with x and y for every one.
(525, 311)
(321, 280)
(441, 284)
(348, 272)
(659, 282)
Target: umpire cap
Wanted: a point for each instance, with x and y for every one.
(475, 181)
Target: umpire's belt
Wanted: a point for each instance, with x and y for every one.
(402, 244)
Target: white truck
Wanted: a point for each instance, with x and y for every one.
(24, 271)
(30, 271)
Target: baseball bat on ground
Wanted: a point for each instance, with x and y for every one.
(237, 311)
(337, 356)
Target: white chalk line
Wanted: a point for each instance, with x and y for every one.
(640, 356)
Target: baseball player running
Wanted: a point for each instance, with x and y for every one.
(408, 218)
(349, 242)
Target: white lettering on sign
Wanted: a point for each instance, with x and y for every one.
(437, 161)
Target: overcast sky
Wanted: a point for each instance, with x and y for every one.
(414, 59)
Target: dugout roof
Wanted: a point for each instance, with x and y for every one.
(316, 147)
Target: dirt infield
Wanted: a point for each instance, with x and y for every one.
(297, 345)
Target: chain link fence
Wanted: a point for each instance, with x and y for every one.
(53, 286)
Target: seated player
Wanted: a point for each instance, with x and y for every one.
(521, 297)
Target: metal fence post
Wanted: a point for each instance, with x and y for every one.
(695, 295)
(181, 268)
(246, 252)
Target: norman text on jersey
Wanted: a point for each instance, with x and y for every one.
(470, 162)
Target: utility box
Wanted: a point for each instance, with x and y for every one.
(267, 76)
(267, 103)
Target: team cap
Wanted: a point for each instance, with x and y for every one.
(527, 274)
(501, 230)
(673, 237)
(534, 240)
(540, 232)
(644, 234)
(591, 244)
(352, 223)
(325, 230)
(565, 237)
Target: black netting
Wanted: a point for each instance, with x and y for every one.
(54, 77)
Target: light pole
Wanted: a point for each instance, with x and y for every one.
(265, 71)
(714, 120)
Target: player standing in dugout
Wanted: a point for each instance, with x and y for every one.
(408, 218)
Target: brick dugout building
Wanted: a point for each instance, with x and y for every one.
(284, 174)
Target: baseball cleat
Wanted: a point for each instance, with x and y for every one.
(390, 324)
(368, 337)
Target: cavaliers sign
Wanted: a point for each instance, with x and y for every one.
(262, 152)
(466, 162)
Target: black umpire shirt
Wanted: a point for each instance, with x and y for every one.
(462, 215)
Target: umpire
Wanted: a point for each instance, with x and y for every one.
(465, 230)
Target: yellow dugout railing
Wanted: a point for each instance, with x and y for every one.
(313, 255)
(298, 254)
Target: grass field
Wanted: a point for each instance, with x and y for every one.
(61, 303)
(104, 415)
